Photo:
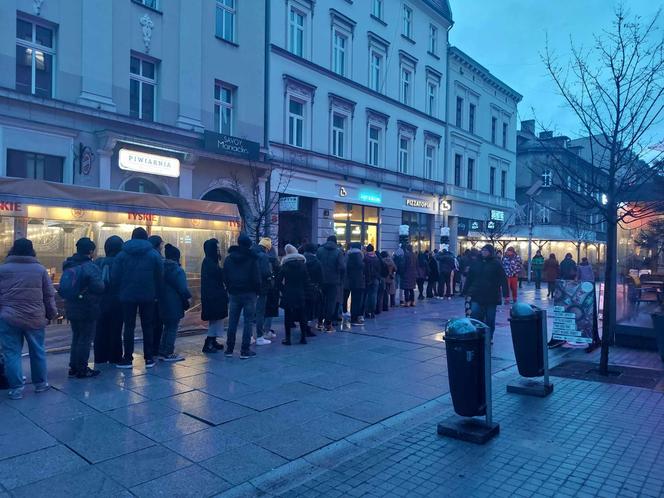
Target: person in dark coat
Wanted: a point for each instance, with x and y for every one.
(139, 273)
(568, 268)
(108, 337)
(272, 302)
(174, 298)
(158, 327)
(214, 298)
(356, 282)
(432, 275)
(551, 273)
(422, 270)
(485, 281)
(372, 274)
(243, 282)
(409, 275)
(293, 281)
(446, 265)
(333, 268)
(313, 297)
(83, 310)
(261, 249)
(390, 285)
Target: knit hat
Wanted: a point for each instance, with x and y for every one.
(370, 248)
(266, 242)
(244, 241)
(113, 245)
(290, 249)
(171, 252)
(85, 246)
(156, 241)
(489, 248)
(332, 238)
(22, 247)
(139, 233)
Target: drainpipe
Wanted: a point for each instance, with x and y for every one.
(266, 112)
(447, 131)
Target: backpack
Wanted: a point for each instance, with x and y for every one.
(71, 283)
(106, 274)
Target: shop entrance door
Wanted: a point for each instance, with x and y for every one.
(295, 226)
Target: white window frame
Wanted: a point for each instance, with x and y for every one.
(472, 117)
(405, 155)
(406, 84)
(454, 170)
(339, 136)
(376, 73)
(407, 21)
(377, 9)
(145, 3)
(547, 178)
(458, 111)
(544, 214)
(296, 118)
(433, 39)
(293, 28)
(340, 52)
(430, 160)
(492, 180)
(223, 105)
(494, 131)
(432, 97)
(226, 10)
(374, 146)
(471, 178)
(503, 183)
(35, 48)
(147, 81)
(505, 130)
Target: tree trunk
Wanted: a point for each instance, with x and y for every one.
(610, 285)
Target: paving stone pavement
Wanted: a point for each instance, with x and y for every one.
(283, 420)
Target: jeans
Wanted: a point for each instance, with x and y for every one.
(215, 328)
(261, 301)
(146, 311)
(81, 341)
(356, 303)
(431, 287)
(371, 294)
(329, 302)
(108, 337)
(245, 304)
(444, 285)
(485, 313)
(513, 284)
(12, 344)
(344, 305)
(551, 288)
(267, 324)
(538, 279)
(167, 346)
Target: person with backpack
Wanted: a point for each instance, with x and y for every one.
(446, 267)
(108, 336)
(333, 268)
(214, 298)
(174, 299)
(28, 303)
(139, 272)
(81, 287)
(372, 270)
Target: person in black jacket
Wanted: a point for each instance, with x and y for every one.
(293, 281)
(485, 280)
(432, 275)
(157, 325)
(372, 271)
(108, 337)
(272, 302)
(243, 282)
(356, 282)
(333, 268)
(446, 267)
(139, 273)
(214, 298)
(313, 298)
(174, 299)
(83, 311)
(265, 269)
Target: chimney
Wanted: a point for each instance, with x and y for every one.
(528, 126)
(545, 135)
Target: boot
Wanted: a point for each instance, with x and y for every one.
(303, 334)
(216, 344)
(287, 341)
(209, 347)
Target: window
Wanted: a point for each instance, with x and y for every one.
(504, 134)
(432, 98)
(471, 173)
(492, 181)
(406, 85)
(459, 112)
(377, 8)
(375, 71)
(295, 123)
(494, 123)
(503, 183)
(429, 160)
(404, 154)
(471, 118)
(545, 213)
(142, 86)
(153, 4)
(373, 146)
(407, 17)
(420, 228)
(547, 178)
(296, 32)
(339, 42)
(225, 22)
(338, 135)
(457, 170)
(35, 51)
(223, 108)
(22, 164)
(433, 39)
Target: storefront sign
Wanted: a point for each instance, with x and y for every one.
(462, 227)
(419, 203)
(372, 197)
(574, 312)
(142, 162)
(289, 203)
(11, 207)
(497, 215)
(445, 205)
(342, 192)
(474, 225)
(231, 146)
(146, 217)
(466, 225)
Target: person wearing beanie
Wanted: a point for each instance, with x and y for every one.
(356, 283)
(214, 298)
(293, 281)
(157, 324)
(243, 282)
(174, 299)
(267, 280)
(28, 303)
(333, 268)
(108, 336)
(81, 287)
(390, 270)
(486, 279)
(372, 272)
(138, 273)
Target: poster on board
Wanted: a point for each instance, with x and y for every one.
(575, 312)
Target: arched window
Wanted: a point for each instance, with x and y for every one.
(142, 186)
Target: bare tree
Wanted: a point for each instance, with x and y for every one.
(496, 231)
(616, 90)
(580, 231)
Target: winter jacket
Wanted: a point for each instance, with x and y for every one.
(87, 306)
(293, 281)
(214, 298)
(409, 275)
(422, 266)
(372, 268)
(27, 296)
(446, 263)
(241, 274)
(585, 273)
(263, 268)
(399, 261)
(464, 264)
(551, 270)
(568, 269)
(389, 279)
(512, 265)
(315, 272)
(272, 302)
(174, 296)
(486, 278)
(110, 299)
(433, 268)
(332, 263)
(537, 263)
(355, 278)
(138, 271)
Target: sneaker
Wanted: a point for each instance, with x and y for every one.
(72, 373)
(262, 341)
(216, 344)
(271, 334)
(247, 354)
(328, 328)
(42, 388)
(171, 358)
(360, 319)
(228, 353)
(15, 393)
(357, 323)
(87, 373)
(125, 364)
(149, 363)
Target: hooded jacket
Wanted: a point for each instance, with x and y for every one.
(214, 298)
(86, 307)
(264, 267)
(112, 248)
(446, 263)
(391, 271)
(372, 268)
(568, 269)
(138, 271)
(272, 302)
(27, 296)
(585, 272)
(486, 278)
(422, 266)
(332, 263)
(409, 275)
(551, 270)
(537, 263)
(512, 264)
(241, 274)
(355, 277)
(293, 281)
(315, 272)
(174, 293)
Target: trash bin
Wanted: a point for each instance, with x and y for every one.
(464, 343)
(526, 324)
(658, 324)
